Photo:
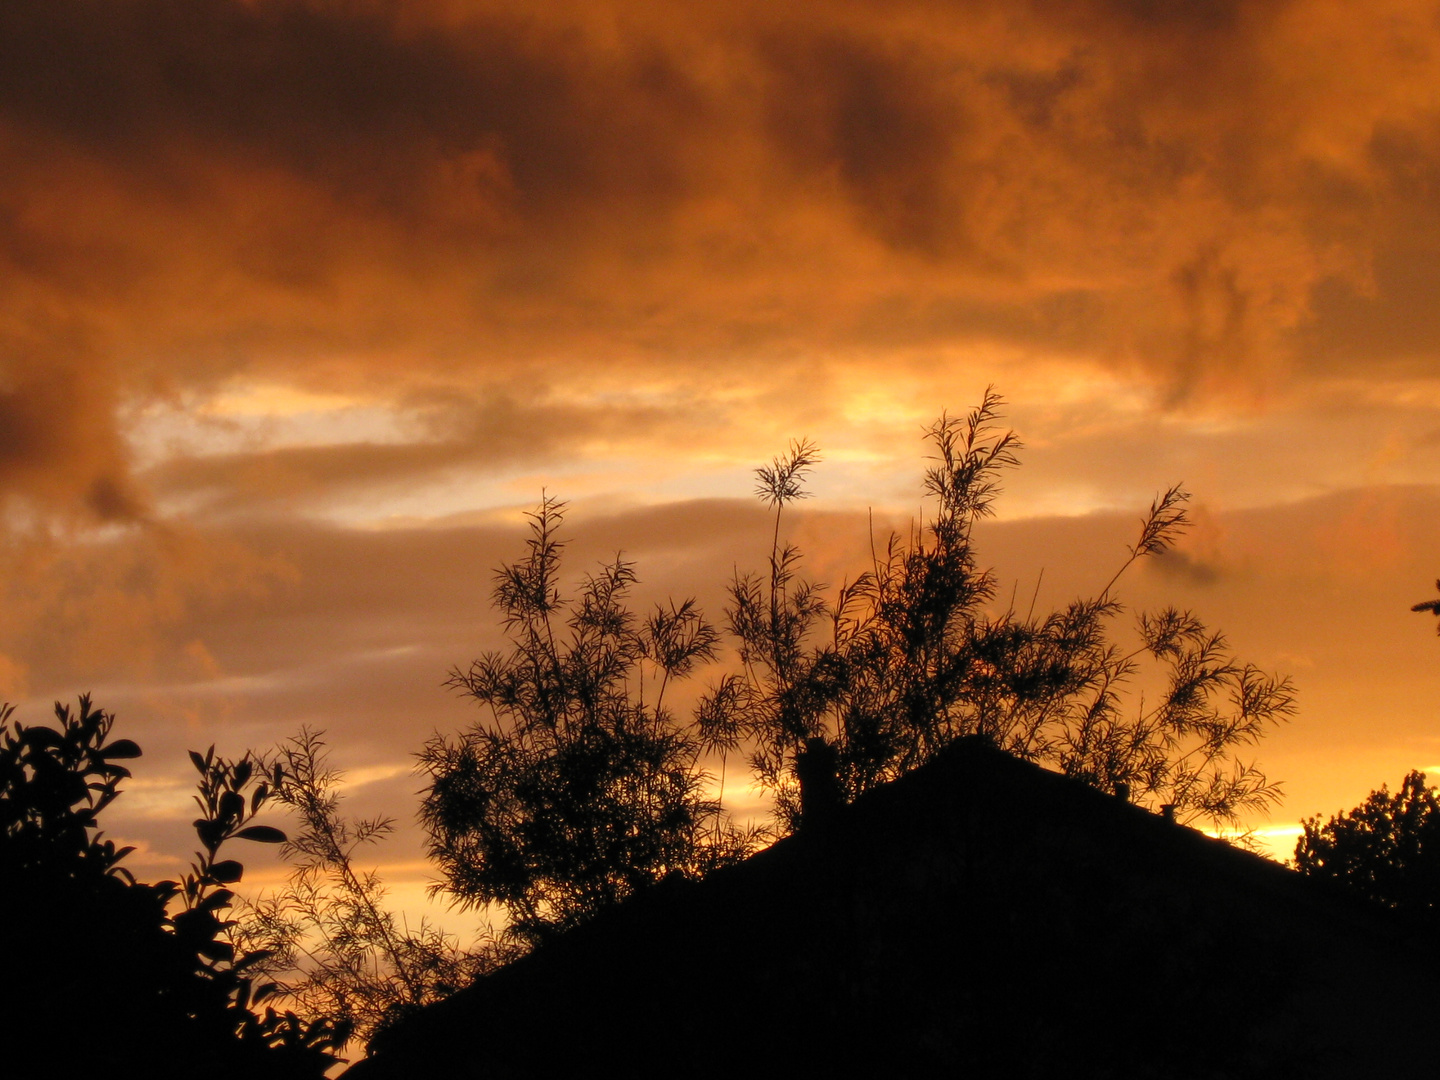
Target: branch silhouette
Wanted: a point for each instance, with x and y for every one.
(1432, 606)
(330, 944)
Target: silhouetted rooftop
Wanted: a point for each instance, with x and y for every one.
(980, 915)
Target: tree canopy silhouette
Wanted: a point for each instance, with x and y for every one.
(582, 786)
(578, 789)
(1387, 848)
(102, 971)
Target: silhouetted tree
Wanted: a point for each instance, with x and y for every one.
(910, 656)
(581, 786)
(578, 791)
(331, 945)
(1386, 849)
(102, 971)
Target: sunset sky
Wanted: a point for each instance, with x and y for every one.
(304, 303)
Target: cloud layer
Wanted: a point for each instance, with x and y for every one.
(381, 198)
(304, 298)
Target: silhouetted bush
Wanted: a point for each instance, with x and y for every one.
(577, 790)
(1386, 849)
(103, 972)
(911, 655)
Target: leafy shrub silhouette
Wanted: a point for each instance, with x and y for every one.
(1387, 848)
(99, 972)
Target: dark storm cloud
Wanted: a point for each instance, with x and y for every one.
(343, 94)
(1395, 307)
(844, 103)
(58, 441)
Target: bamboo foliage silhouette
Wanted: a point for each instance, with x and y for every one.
(578, 790)
(909, 656)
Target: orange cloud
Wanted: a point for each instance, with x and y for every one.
(344, 194)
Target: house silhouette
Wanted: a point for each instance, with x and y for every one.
(981, 917)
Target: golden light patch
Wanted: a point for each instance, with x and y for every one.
(277, 399)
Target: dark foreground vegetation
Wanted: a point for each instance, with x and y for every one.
(104, 973)
(1387, 849)
(582, 797)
